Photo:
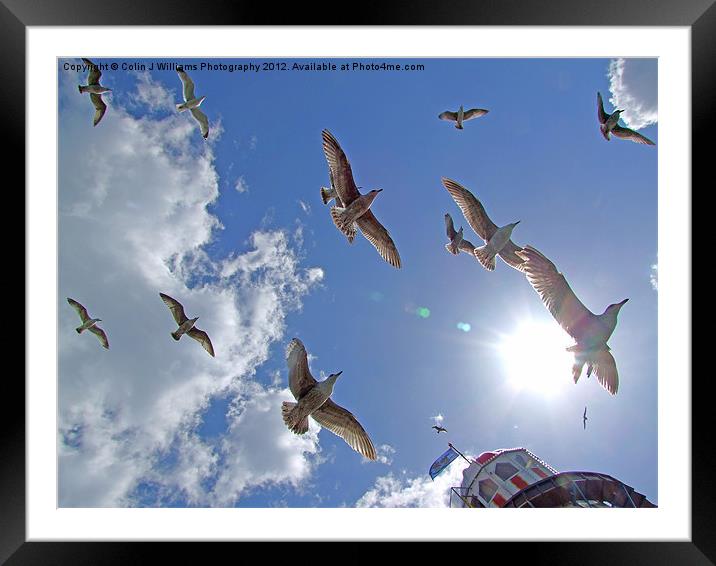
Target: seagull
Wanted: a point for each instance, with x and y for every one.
(457, 242)
(584, 418)
(354, 208)
(192, 103)
(186, 325)
(461, 115)
(589, 330)
(89, 323)
(439, 429)
(497, 240)
(314, 399)
(609, 124)
(95, 90)
(327, 195)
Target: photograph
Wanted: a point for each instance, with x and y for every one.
(400, 283)
(369, 261)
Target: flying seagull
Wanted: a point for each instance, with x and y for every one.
(192, 103)
(89, 323)
(439, 429)
(457, 242)
(584, 418)
(95, 90)
(609, 124)
(314, 399)
(354, 208)
(589, 330)
(497, 240)
(186, 325)
(461, 115)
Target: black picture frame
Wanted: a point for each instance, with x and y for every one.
(699, 15)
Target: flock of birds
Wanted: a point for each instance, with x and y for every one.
(352, 211)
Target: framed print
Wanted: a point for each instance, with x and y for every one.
(359, 281)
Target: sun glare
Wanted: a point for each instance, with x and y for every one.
(535, 357)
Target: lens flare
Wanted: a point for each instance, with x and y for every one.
(464, 326)
(422, 312)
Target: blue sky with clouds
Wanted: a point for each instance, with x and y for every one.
(236, 230)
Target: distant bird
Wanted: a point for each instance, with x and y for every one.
(186, 325)
(497, 240)
(89, 323)
(609, 124)
(354, 208)
(584, 418)
(314, 399)
(457, 242)
(192, 103)
(461, 115)
(589, 330)
(439, 429)
(95, 90)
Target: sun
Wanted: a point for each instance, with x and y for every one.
(535, 357)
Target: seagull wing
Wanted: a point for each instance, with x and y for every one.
(94, 72)
(627, 134)
(100, 107)
(300, 380)
(187, 82)
(99, 333)
(467, 246)
(450, 227)
(203, 339)
(510, 257)
(555, 292)
(203, 121)
(379, 237)
(605, 368)
(600, 110)
(342, 422)
(472, 209)
(449, 116)
(474, 113)
(340, 169)
(176, 308)
(84, 317)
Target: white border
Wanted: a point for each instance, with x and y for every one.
(671, 521)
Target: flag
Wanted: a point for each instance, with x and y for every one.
(442, 462)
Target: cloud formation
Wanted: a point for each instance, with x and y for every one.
(634, 86)
(134, 221)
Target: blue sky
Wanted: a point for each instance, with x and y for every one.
(165, 424)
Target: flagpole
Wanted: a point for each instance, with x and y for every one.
(461, 454)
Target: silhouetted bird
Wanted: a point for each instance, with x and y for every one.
(95, 90)
(186, 325)
(439, 429)
(462, 115)
(497, 240)
(192, 103)
(589, 330)
(584, 418)
(313, 398)
(354, 208)
(89, 323)
(609, 124)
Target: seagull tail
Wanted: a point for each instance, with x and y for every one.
(325, 196)
(81, 88)
(343, 222)
(452, 249)
(174, 335)
(79, 329)
(289, 417)
(485, 257)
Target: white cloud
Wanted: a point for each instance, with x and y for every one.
(654, 277)
(152, 95)
(133, 221)
(421, 491)
(633, 84)
(305, 207)
(241, 185)
(384, 454)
